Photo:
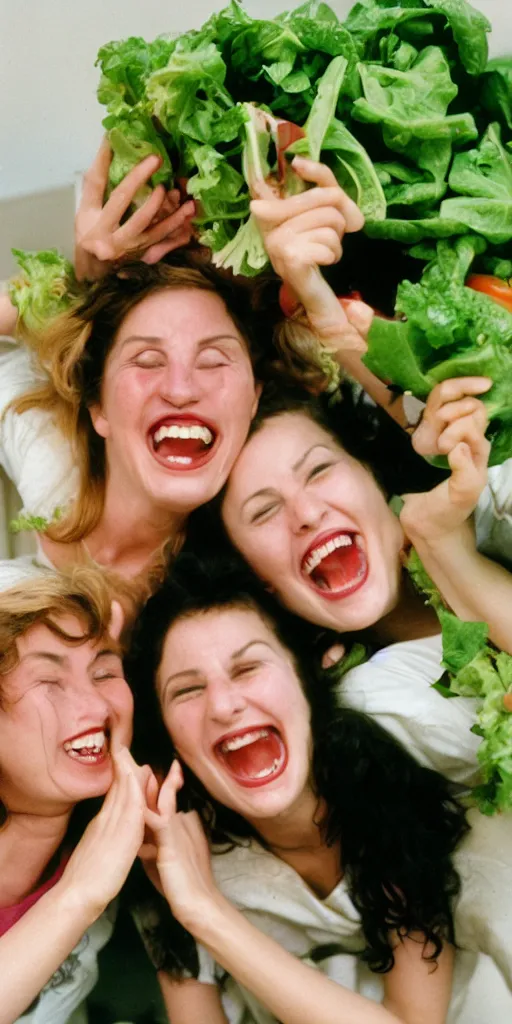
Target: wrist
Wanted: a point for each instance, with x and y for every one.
(84, 907)
(206, 919)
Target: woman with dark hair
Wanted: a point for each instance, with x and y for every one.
(325, 832)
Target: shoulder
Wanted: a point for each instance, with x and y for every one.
(396, 688)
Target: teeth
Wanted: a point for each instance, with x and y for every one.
(243, 741)
(268, 771)
(92, 741)
(182, 460)
(196, 432)
(343, 540)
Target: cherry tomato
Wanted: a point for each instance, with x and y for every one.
(494, 287)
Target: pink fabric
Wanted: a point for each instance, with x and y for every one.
(10, 915)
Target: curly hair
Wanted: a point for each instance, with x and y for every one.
(398, 823)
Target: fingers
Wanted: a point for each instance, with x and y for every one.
(450, 401)
(169, 790)
(95, 179)
(175, 241)
(359, 315)
(130, 233)
(116, 620)
(322, 175)
(124, 194)
(333, 656)
(177, 220)
(466, 482)
(273, 212)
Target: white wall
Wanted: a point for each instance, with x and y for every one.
(50, 120)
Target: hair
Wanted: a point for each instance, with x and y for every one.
(43, 600)
(73, 350)
(397, 822)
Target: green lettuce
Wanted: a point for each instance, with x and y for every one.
(449, 330)
(474, 668)
(45, 287)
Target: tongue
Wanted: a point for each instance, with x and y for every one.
(339, 569)
(181, 447)
(249, 761)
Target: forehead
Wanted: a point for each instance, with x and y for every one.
(273, 450)
(224, 629)
(179, 312)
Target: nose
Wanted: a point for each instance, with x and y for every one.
(87, 705)
(180, 385)
(306, 513)
(225, 701)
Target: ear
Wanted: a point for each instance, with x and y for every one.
(258, 388)
(99, 422)
(116, 620)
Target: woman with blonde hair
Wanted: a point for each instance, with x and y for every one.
(145, 389)
(65, 728)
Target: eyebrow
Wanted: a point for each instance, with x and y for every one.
(195, 673)
(155, 340)
(63, 659)
(268, 492)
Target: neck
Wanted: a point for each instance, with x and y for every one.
(27, 845)
(131, 530)
(296, 830)
(410, 619)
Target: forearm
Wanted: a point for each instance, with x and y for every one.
(8, 315)
(35, 947)
(191, 1000)
(294, 992)
(474, 587)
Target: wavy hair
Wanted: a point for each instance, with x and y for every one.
(84, 593)
(74, 348)
(398, 823)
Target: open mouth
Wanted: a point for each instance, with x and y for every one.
(253, 757)
(182, 442)
(89, 747)
(335, 564)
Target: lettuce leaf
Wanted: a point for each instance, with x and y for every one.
(369, 18)
(474, 668)
(45, 287)
(449, 331)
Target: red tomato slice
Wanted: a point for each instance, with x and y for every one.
(494, 287)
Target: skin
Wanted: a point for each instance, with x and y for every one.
(176, 352)
(57, 691)
(210, 687)
(293, 483)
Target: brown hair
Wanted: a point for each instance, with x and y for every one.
(74, 348)
(73, 351)
(82, 592)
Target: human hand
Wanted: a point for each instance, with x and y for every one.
(181, 852)
(302, 234)
(156, 228)
(99, 865)
(453, 424)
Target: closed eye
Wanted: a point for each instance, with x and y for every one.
(246, 669)
(149, 360)
(262, 514)
(319, 468)
(211, 359)
(185, 692)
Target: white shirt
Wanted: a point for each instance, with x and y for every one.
(74, 979)
(327, 932)
(33, 452)
(395, 688)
